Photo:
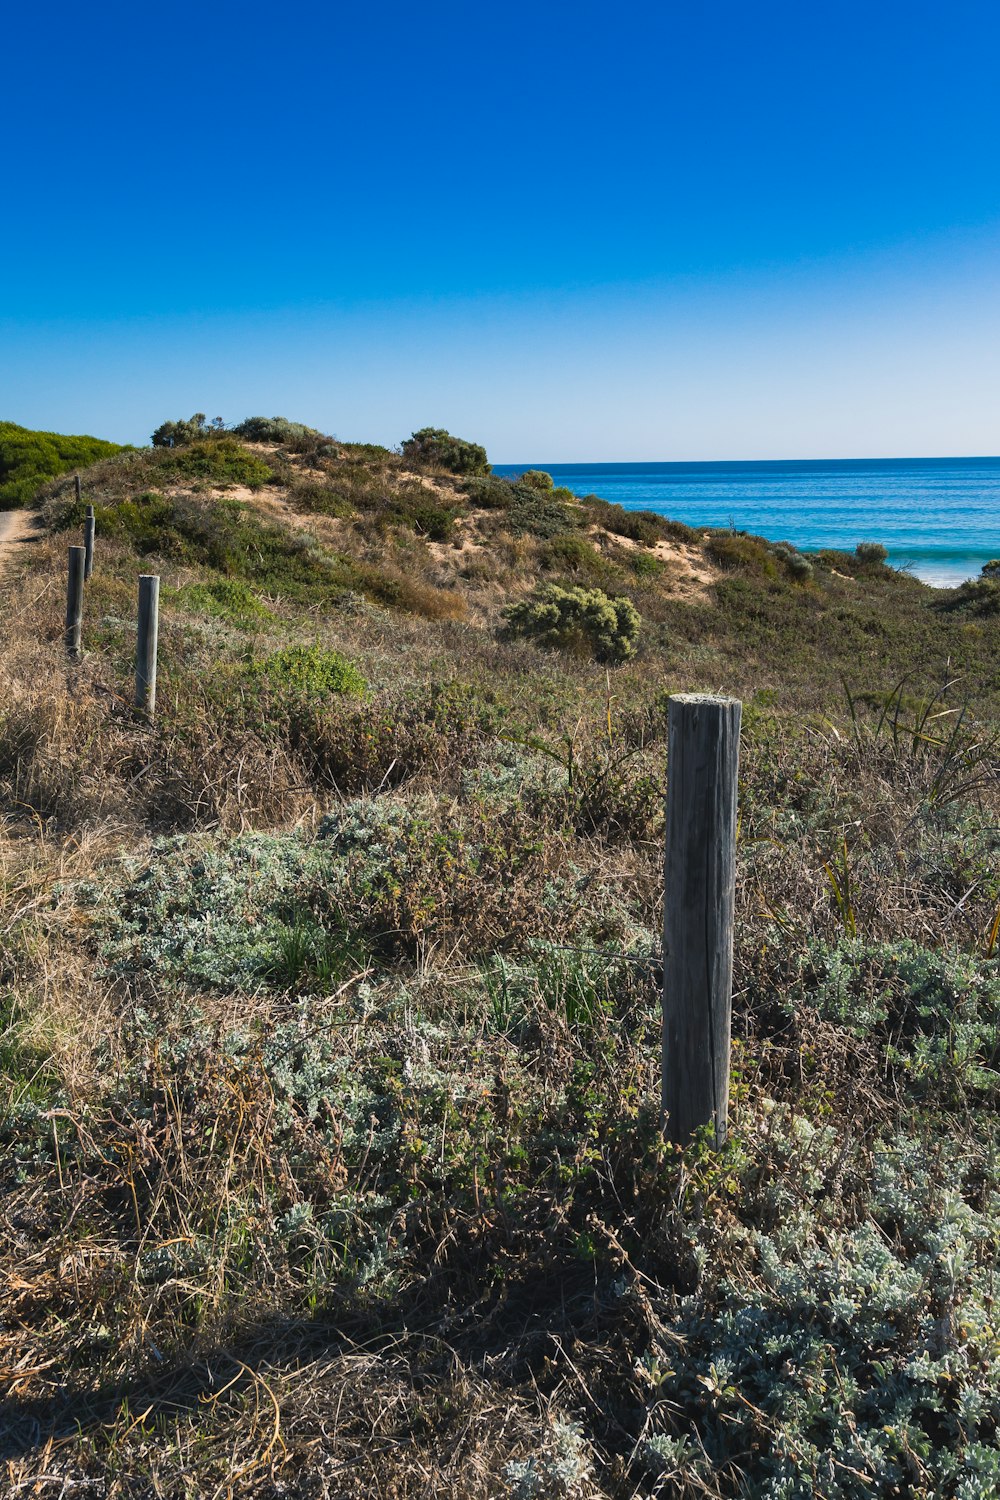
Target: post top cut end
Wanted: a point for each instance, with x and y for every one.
(710, 699)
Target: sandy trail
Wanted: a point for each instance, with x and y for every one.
(18, 529)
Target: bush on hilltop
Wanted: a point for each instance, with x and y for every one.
(178, 434)
(273, 430)
(537, 479)
(433, 445)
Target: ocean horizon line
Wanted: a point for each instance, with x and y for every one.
(740, 463)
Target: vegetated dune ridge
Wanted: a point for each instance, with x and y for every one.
(329, 1056)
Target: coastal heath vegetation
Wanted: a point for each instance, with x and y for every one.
(28, 458)
(330, 1151)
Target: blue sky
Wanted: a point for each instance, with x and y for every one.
(709, 230)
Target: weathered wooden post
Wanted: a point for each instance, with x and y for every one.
(74, 602)
(698, 910)
(88, 541)
(145, 649)
(79, 489)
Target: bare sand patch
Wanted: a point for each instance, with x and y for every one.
(18, 529)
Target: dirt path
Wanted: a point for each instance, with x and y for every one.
(18, 529)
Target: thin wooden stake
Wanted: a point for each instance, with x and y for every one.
(698, 911)
(145, 651)
(74, 602)
(88, 541)
(79, 489)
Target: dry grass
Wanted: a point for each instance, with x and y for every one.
(396, 1219)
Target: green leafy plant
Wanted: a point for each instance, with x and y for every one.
(438, 448)
(311, 956)
(644, 526)
(871, 555)
(588, 621)
(221, 459)
(226, 598)
(536, 479)
(177, 434)
(273, 430)
(310, 671)
(571, 552)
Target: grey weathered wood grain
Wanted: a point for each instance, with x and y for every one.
(699, 900)
(74, 601)
(89, 527)
(146, 644)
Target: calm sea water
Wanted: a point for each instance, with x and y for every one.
(939, 517)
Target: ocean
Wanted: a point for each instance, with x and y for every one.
(939, 517)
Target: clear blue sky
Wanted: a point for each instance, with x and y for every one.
(710, 229)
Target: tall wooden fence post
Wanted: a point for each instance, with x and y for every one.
(74, 602)
(79, 488)
(145, 650)
(698, 911)
(88, 541)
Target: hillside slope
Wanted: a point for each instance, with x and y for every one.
(28, 458)
(330, 1044)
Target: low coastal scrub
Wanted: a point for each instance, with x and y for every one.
(585, 621)
(330, 1148)
(28, 459)
(434, 446)
(310, 671)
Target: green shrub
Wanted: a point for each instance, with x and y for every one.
(572, 553)
(534, 513)
(643, 526)
(588, 621)
(242, 891)
(980, 595)
(536, 479)
(871, 554)
(437, 522)
(645, 565)
(527, 511)
(222, 460)
(177, 434)
(273, 430)
(991, 569)
(734, 550)
(434, 446)
(837, 561)
(227, 536)
(28, 459)
(420, 509)
(309, 671)
(490, 492)
(796, 566)
(312, 497)
(366, 452)
(226, 598)
(146, 520)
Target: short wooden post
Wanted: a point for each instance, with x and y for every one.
(79, 488)
(698, 911)
(88, 541)
(74, 602)
(145, 650)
